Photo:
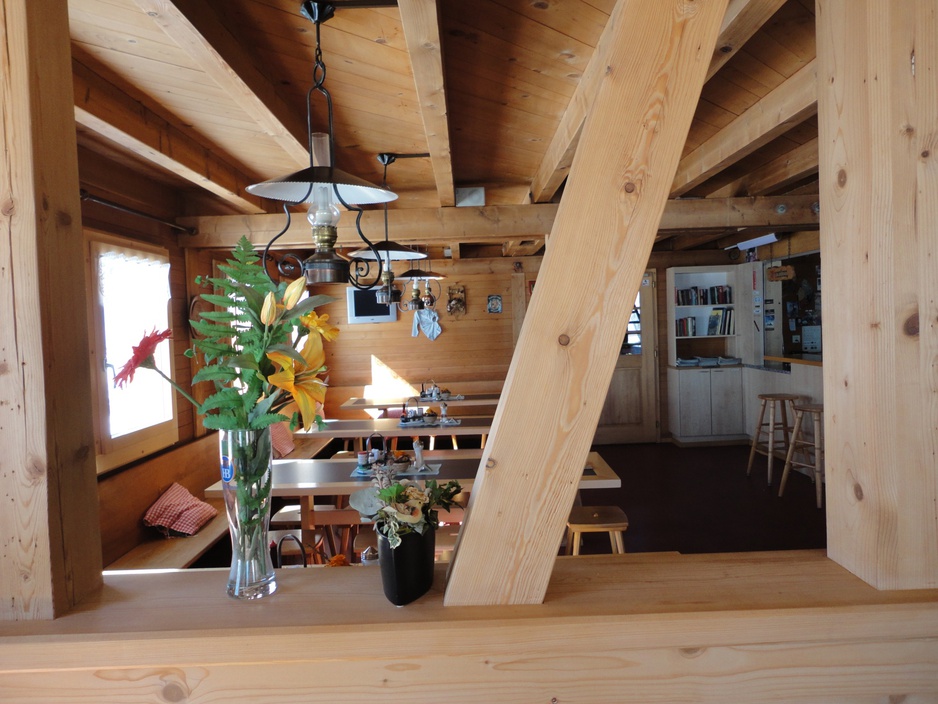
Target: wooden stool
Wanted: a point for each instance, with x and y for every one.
(770, 428)
(596, 519)
(810, 446)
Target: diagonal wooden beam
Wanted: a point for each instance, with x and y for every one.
(198, 31)
(421, 24)
(791, 103)
(103, 108)
(504, 223)
(571, 336)
(743, 18)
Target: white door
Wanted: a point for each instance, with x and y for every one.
(630, 413)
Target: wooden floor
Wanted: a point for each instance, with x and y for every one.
(696, 500)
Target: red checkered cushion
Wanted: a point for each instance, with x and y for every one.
(282, 439)
(177, 512)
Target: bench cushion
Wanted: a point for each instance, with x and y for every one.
(178, 512)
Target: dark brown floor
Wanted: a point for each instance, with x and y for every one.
(695, 500)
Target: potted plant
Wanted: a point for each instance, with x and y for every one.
(262, 350)
(405, 519)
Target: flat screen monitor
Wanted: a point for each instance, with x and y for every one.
(363, 307)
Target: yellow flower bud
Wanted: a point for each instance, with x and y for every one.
(294, 291)
(269, 309)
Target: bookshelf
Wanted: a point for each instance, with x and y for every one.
(705, 400)
(702, 316)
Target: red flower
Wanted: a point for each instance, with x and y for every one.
(143, 356)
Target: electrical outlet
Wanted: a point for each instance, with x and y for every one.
(796, 339)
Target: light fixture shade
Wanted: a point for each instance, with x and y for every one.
(389, 250)
(299, 187)
(421, 274)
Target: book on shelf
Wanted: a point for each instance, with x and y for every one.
(715, 322)
(703, 296)
(685, 327)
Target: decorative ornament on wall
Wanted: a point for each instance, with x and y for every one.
(456, 300)
(494, 304)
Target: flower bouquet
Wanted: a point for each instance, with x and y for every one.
(262, 351)
(405, 518)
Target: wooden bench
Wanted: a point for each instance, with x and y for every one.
(176, 553)
(125, 496)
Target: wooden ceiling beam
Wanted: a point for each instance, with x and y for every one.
(421, 24)
(105, 109)
(790, 104)
(436, 226)
(197, 30)
(522, 248)
(743, 18)
(798, 164)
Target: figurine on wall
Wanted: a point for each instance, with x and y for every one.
(456, 300)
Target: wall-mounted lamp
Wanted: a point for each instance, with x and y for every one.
(755, 242)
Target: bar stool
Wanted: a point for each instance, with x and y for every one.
(810, 446)
(784, 403)
(596, 519)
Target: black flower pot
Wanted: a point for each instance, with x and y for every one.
(407, 570)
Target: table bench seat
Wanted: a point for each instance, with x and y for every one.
(176, 553)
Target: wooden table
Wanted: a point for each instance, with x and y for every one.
(384, 404)
(391, 428)
(307, 479)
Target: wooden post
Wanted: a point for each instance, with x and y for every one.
(555, 388)
(50, 546)
(878, 123)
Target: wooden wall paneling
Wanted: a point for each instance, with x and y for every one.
(125, 495)
(48, 527)
(879, 208)
(475, 347)
(572, 334)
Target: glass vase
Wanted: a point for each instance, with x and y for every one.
(246, 459)
(407, 570)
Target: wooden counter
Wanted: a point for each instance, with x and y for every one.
(784, 626)
(812, 360)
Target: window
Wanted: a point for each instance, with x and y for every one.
(633, 334)
(130, 297)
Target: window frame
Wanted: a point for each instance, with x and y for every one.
(111, 453)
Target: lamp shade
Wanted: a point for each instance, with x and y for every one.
(389, 250)
(300, 187)
(421, 274)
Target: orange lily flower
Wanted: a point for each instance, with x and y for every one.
(318, 323)
(302, 380)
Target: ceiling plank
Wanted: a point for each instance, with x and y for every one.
(198, 31)
(743, 19)
(559, 155)
(421, 24)
(103, 108)
(503, 223)
(788, 105)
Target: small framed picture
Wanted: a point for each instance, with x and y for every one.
(495, 304)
